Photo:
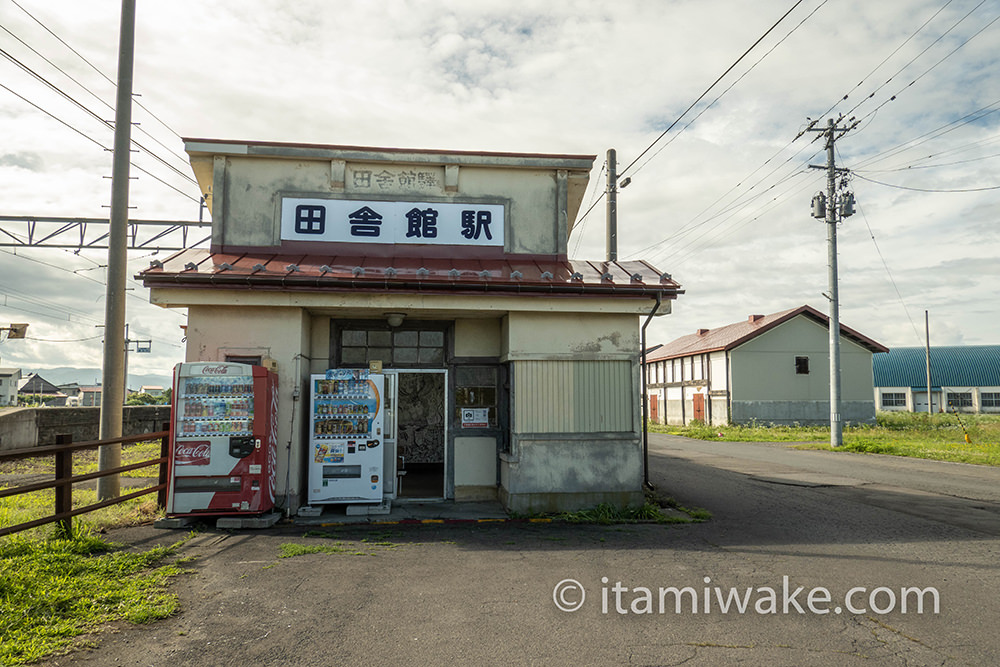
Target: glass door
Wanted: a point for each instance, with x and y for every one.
(391, 469)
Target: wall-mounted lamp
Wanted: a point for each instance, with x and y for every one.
(394, 319)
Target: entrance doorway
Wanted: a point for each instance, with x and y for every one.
(416, 432)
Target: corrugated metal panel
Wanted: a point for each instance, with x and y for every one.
(958, 366)
(573, 396)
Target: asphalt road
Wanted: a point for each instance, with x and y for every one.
(483, 594)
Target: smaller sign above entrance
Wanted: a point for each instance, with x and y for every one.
(400, 222)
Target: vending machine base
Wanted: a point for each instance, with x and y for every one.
(246, 521)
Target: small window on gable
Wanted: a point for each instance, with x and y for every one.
(802, 365)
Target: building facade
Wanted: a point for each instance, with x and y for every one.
(9, 379)
(772, 369)
(449, 271)
(963, 379)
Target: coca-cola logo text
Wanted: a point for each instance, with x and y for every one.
(215, 370)
(192, 453)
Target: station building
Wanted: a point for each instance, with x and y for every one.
(513, 372)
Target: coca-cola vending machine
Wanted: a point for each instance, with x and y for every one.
(223, 440)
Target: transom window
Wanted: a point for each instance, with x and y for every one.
(356, 345)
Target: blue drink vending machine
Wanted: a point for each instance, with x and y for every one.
(346, 410)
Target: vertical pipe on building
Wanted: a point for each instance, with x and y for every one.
(645, 400)
(113, 384)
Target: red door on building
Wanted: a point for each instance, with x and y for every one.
(654, 406)
(699, 407)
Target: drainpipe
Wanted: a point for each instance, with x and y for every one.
(645, 400)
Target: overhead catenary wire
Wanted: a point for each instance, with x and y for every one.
(91, 92)
(94, 67)
(95, 141)
(90, 112)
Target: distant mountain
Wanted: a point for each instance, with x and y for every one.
(92, 376)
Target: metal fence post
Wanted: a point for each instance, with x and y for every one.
(64, 492)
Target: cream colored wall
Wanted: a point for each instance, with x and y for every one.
(475, 468)
(764, 368)
(280, 333)
(720, 380)
(477, 338)
(584, 336)
(253, 190)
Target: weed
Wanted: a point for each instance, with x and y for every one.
(55, 590)
(291, 549)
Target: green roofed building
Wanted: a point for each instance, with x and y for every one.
(963, 379)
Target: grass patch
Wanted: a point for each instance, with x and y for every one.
(942, 437)
(369, 546)
(38, 504)
(652, 511)
(52, 591)
(292, 549)
(85, 461)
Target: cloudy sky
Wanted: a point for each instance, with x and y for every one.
(722, 201)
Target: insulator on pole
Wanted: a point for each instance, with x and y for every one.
(819, 205)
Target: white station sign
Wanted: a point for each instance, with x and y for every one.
(358, 221)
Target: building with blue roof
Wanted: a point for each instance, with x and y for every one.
(963, 379)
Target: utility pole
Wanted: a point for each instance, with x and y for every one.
(927, 351)
(612, 244)
(141, 345)
(828, 207)
(113, 382)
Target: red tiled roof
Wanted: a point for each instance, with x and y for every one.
(734, 335)
(198, 267)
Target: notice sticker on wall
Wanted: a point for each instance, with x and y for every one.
(475, 417)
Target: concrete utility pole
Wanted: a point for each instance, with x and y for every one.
(113, 382)
(612, 244)
(827, 207)
(927, 350)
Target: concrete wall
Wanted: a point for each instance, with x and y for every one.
(34, 427)
(767, 389)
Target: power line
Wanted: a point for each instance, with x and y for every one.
(932, 67)
(707, 90)
(92, 93)
(733, 84)
(95, 141)
(937, 132)
(578, 229)
(94, 67)
(903, 187)
(886, 59)
(91, 113)
(888, 272)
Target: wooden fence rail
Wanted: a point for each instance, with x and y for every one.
(64, 478)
